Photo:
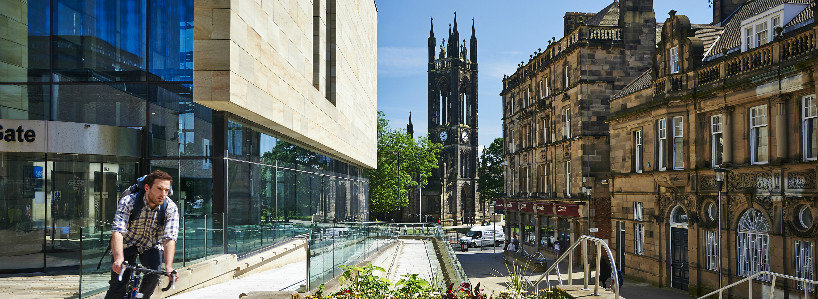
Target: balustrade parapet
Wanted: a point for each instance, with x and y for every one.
(783, 50)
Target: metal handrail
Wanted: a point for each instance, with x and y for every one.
(749, 280)
(583, 240)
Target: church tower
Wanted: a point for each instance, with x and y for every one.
(452, 192)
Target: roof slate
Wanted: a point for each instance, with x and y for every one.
(644, 81)
(731, 38)
(608, 16)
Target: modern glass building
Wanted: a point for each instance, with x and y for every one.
(95, 93)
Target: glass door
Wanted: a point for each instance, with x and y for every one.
(22, 212)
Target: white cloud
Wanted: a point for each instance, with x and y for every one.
(400, 61)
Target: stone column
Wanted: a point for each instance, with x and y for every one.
(727, 129)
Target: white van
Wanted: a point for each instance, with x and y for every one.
(480, 236)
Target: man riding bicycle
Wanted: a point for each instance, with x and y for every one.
(145, 234)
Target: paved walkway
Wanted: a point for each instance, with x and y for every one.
(488, 268)
(286, 278)
(413, 258)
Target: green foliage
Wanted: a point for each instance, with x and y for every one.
(410, 284)
(363, 280)
(400, 160)
(362, 283)
(490, 171)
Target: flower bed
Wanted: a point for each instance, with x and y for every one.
(361, 283)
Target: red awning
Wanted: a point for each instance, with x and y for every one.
(567, 210)
(527, 206)
(499, 204)
(544, 208)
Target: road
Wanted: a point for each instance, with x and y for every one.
(488, 268)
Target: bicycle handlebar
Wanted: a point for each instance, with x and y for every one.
(139, 269)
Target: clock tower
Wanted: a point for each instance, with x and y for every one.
(452, 192)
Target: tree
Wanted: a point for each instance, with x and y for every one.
(400, 160)
(490, 182)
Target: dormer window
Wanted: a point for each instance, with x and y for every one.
(674, 60)
(759, 30)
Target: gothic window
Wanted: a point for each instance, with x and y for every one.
(678, 143)
(810, 128)
(711, 251)
(637, 151)
(759, 136)
(804, 263)
(465, 114)
(662, 143)
(638, 229)
(674, 60)
(716, 140)
(753, 244)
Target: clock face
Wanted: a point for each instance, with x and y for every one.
(464, 136)
(443, 136)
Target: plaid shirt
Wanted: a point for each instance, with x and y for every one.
(145, 231)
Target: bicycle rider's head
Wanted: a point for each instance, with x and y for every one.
(157, 186)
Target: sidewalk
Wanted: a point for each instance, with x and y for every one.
(488, 268)
(286, 278)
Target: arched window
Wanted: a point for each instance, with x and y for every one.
(678, 218)
(753, 244)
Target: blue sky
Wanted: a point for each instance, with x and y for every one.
(507, 33)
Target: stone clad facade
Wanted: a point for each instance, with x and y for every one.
(280, 65)
(743, 103)
(556, 139)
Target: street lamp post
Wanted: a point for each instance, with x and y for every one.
(587, 192)
(721, 174)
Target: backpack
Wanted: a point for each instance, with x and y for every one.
(139, 189)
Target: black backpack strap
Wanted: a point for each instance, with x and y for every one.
(139, 202)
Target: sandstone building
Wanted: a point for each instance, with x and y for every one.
(743, 104)
(556, 138)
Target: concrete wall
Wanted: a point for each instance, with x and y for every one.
(257, 59)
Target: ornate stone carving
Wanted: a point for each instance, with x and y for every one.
(801, 180)
(754, 182)
(707, 182)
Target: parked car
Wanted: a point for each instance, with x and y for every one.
(480, 236)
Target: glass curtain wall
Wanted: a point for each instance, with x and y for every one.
(278, 190)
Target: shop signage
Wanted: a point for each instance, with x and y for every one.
(594, 230)
(511, 206)
(40, 136)
(567, 210)
(18, 135)
(545, 208)
(499, 204)
(22, 135)
(526, 207)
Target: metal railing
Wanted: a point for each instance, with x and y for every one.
(569, 253)
(749, 280)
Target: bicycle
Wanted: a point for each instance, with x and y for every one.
(132, 288)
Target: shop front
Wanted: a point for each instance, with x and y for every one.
(546, 228)
(59, 184)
